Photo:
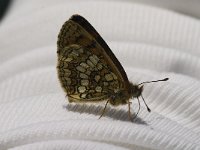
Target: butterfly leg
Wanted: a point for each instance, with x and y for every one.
(129, 111)
(138, 109)
(104, 109)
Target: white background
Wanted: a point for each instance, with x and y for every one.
(152, 39)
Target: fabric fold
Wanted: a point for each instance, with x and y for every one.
(150, 42)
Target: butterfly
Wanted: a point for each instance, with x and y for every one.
(89, 71)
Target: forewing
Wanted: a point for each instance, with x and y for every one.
(87, 68)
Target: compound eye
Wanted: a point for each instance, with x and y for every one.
(112, 97)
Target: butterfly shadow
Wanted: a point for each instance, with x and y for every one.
(113, 113)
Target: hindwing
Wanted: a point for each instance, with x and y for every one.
(87, 68)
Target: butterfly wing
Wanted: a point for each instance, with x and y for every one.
(87, 68)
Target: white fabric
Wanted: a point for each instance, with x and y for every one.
(151, 43)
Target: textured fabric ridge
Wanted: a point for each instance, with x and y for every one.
(151, 43)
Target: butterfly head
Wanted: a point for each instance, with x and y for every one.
(136, 90)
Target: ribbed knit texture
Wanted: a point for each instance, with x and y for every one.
(151, 43)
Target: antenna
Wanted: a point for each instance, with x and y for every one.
(165, 79)
(149, 110)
